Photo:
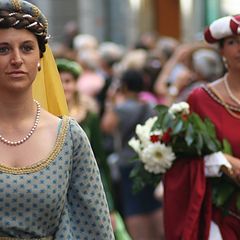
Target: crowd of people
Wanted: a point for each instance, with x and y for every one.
(69, 176)
(126, 84)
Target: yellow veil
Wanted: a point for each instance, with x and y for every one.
(47, 87)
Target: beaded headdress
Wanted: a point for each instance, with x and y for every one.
(28, 11)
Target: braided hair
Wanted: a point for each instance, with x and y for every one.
(19, 20)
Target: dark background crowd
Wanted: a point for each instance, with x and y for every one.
(118, 84)
(118, 87)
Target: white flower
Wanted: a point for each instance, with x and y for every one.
(143, 131)
(135, 144)
(157, 157)
(181, 107)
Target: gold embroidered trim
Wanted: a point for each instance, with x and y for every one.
(221, 101)
(16, 5)
(217, 99)
(42, 164)
(36, 12)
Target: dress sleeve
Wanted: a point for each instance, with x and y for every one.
(85, 214)
(92, 124)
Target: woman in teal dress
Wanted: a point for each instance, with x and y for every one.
(50, 186)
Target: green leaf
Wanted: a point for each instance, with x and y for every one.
(198, 123)
(166, 121)
(178, 127)
(160, 109)
(134, 159)
(142, 178)
(189, 137)
(199, 143)
(210, 128)
(138, 185)
(163, 118)
(135, 171)
(227, 148)
(222, 193)
(211, 145)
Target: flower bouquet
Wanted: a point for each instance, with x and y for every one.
(176, 133)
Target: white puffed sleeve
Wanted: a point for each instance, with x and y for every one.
(213, 162)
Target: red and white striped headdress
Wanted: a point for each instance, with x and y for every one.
(221, 28)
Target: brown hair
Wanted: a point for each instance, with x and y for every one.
(20, 20)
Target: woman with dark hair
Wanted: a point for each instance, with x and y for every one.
(50, 183)
(187, 183)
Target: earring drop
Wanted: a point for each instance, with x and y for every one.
(39, 66)
(225, 62)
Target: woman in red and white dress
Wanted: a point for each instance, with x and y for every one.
(189, 212)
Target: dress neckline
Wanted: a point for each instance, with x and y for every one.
(219, 100)
(42, 163)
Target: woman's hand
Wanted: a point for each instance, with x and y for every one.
(234, 173)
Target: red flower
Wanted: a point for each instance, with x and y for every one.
(166, 136)
(154, 138)
(184, 117)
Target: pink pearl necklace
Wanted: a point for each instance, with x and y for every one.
(21, 141)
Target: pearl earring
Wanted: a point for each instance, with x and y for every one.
(39, 66)
(225, 62)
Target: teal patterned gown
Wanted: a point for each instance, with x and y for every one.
(61, 196)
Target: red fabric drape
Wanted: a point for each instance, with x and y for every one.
(187, 212)
(187, 195)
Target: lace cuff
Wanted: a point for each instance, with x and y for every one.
(213, 162)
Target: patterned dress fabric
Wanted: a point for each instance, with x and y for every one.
(61, 196)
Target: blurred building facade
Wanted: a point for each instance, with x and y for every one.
(123, 21)
(196, 14)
